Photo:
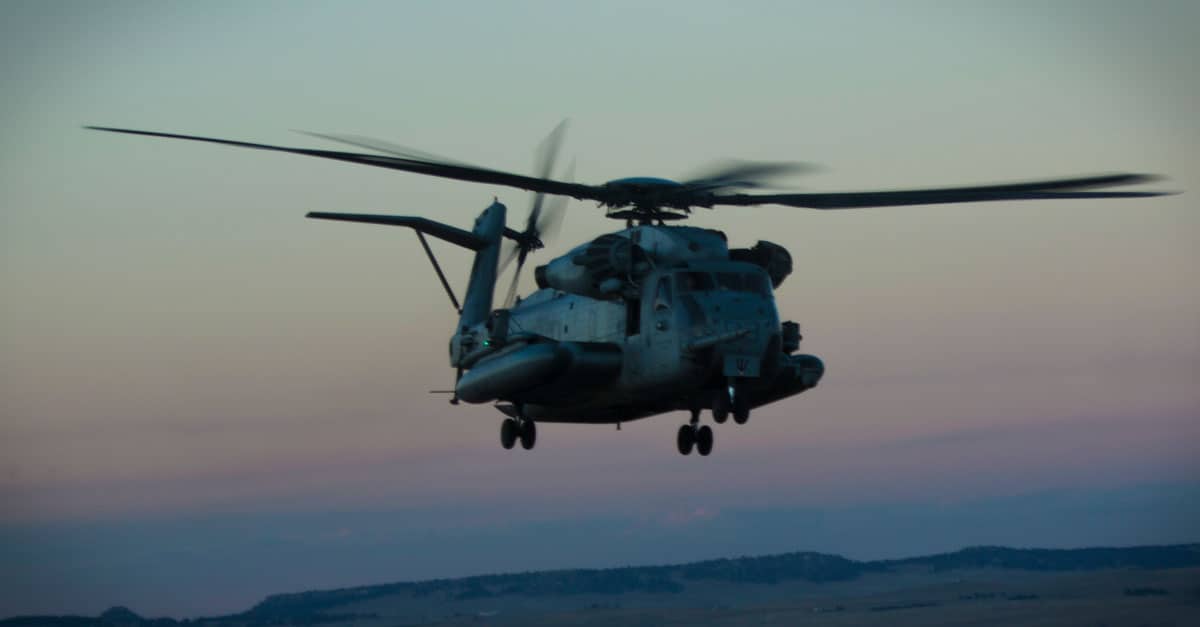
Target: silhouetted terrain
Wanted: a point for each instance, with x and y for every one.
(993, 585)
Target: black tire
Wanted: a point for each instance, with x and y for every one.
(741, 408)
(508, 433)
(528, 434)
(704, 440)
(686, 439)
(720, 407)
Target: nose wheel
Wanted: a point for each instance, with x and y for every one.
(729, 400)
(721, 406)
(741, 408)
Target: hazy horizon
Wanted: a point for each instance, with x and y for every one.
(193, 370)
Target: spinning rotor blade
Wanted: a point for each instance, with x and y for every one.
(647, 199)
(508, 252)
(511, 296)
(744, 174)
(380, 145)
(1034, 190)
(419, 165)
(550, 222)
(541, 215)
(546, 155)
(547, 227)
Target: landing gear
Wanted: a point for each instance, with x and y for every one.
(519, 428)
(731, 398)
(704, 440)
(528, 434)
(741, 408)
(508, 433)
(693, 435)
(686, 439)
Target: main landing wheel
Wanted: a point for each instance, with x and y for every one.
(704, 440)
(686, 439)
(690, 436)
(528, 434)
(508, 433)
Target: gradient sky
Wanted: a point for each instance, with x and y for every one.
(193, 377)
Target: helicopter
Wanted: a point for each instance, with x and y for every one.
(653, 318)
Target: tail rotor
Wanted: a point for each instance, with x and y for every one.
(545, 215)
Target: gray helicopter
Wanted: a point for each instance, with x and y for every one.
(650, 319)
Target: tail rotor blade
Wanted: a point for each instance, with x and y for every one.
(511, 297)
(507, 254)
(543, 216)
(550, 222)
(547, 151)
(543, 164)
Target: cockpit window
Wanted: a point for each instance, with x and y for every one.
(695, 282)
(753, 283)
(731, 281)
(756, 283)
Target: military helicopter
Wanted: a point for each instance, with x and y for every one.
(649, 319)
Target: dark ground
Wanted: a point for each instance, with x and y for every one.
(977, 586)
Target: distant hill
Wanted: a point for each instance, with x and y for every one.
(1176, 556)
(350, 605)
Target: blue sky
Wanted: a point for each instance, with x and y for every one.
(185, 359)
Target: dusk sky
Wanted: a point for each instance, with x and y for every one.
(206, 398)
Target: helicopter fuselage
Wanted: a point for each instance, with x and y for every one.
(674, 325)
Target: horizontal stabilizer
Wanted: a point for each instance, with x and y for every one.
(451, 234)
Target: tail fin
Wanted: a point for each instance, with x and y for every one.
(477, 303)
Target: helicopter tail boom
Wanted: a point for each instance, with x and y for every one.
(477, 303)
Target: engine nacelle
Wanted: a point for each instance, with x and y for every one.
(598, 269)
(611, 265)
(773, 258)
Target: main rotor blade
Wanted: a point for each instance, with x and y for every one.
(380, 145)
(745, 174)
(455, 171)
(1034, 190)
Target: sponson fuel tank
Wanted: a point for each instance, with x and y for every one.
(523, 371)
